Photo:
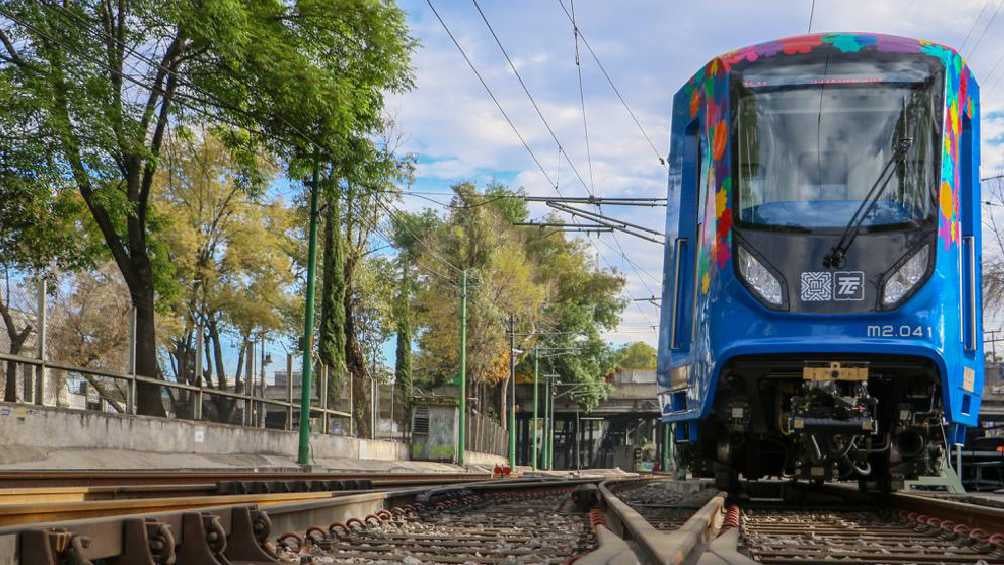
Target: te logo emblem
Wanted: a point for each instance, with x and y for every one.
(848, 285)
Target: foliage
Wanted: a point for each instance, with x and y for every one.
(559, 300)
(104, 83)
(478, 238)
(637, 355)
(229, 247)
(331, 335)
(89, 328)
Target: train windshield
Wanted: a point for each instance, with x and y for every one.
(809, 147)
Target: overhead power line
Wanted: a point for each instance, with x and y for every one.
(582, 100)
(600, 200)
(972, 52)
(533, 102)
(613, 87)
(972, 28)
(491, 94)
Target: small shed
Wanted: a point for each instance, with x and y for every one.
(434, 423)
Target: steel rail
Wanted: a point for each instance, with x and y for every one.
(125, 478)
(241, 533)
(664, 547)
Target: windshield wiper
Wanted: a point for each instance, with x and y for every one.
(835, 258)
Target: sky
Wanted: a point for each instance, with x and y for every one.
(649, 49)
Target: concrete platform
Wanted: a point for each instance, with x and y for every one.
(46, 438)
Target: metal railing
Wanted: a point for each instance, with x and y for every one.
(254, 406)
(484, 434)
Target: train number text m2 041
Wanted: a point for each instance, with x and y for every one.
(905, 330)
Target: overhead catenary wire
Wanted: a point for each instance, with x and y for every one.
(491, 94)
(812, 12)
(990, 22)
(533, 102)
(582, 101)
(613, 87)
(505, 115)
(972, 27)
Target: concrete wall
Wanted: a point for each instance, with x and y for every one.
(484, 459)
(54, 438)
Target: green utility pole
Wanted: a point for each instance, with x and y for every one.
(512, 401)
(550, 438)
(533, 428)
(462, 436)
(547, 422)
(303, 455)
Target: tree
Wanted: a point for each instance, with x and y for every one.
(582, 301)
(87, 329)
(409, 230)
(108, 80)
(637, 355)
(231, 254)
(370, 173)
(42, 231)
(331, 337)
(478, 238)
(993, 253)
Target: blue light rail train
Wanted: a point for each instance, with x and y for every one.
(822, 304)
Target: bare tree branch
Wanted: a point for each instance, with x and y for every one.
(15, 57)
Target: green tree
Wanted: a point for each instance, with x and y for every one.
(42, 231)
(409, 230)
(368, 170)
(331, 336)
(229, 247)
(582, 301)
(479, 238)
(106, 81)
(637, 355)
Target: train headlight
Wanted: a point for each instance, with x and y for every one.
(906, 277)
(759, 278)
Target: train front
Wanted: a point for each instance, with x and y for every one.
(835, 330)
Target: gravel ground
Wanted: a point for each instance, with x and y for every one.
(667, 504)
(536, 529)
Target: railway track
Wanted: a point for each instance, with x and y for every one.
(51, 503)
(784, 523)
(539, 525)
(525, 521)
(204, 479)
(829, 535)
(504, 521)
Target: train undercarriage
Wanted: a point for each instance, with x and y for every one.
(875, 420)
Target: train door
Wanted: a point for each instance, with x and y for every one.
(685, 263)
(970, 274)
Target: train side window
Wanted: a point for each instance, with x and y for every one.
(966, 177)
(702, 173)
(691, 200)
(970, 292)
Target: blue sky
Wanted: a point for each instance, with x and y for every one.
(649, 48)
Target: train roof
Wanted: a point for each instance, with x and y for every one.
(843, 42)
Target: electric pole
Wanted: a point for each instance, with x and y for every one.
(303, 454)
(512, 385)
(533, 428)
(462, 435)
(550, 437)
